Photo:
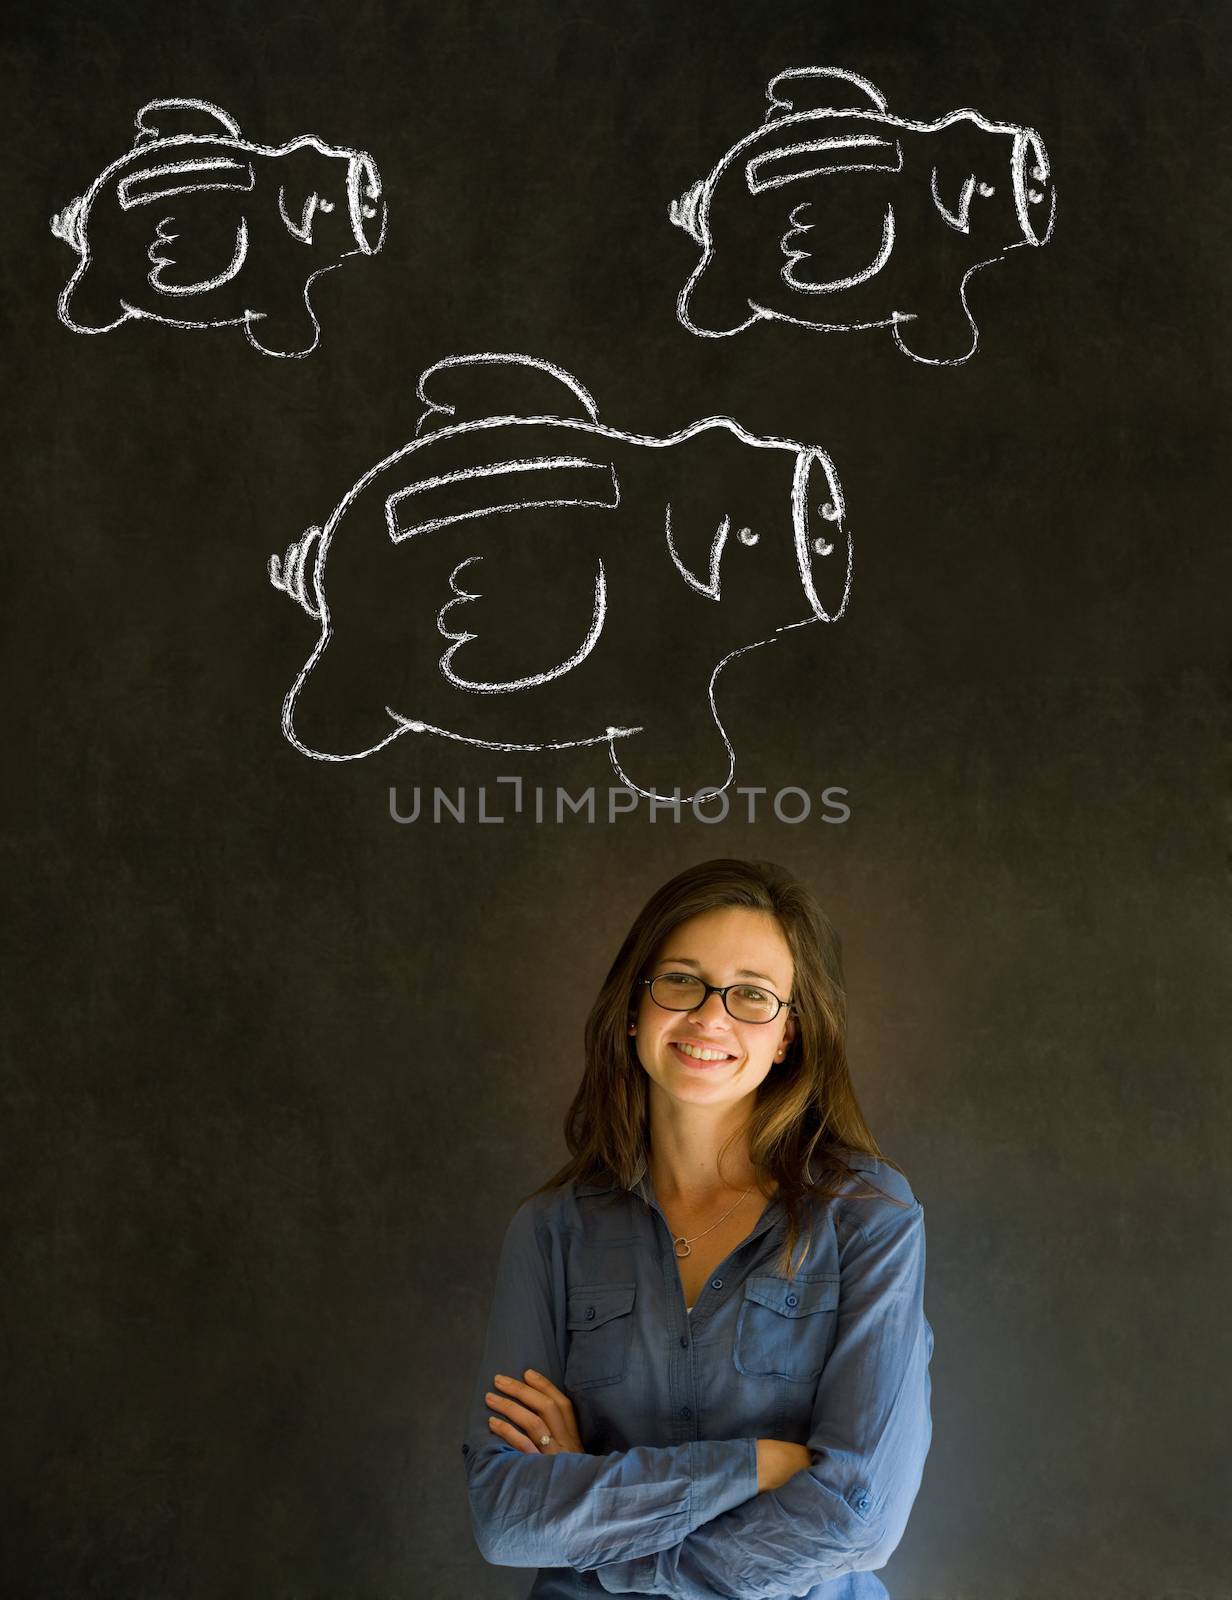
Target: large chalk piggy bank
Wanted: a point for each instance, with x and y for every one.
(200, 228)
(836, 216)
(521, 576)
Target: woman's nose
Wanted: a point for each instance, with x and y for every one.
(712, 1009)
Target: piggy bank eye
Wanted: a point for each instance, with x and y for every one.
(747, 536)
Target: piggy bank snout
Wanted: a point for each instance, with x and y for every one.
(823, 547)
(1034, 195)
(367, 203)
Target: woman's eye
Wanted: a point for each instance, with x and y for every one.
(755, 995)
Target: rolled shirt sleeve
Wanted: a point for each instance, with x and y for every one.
(870, 1433)
(569, 1509)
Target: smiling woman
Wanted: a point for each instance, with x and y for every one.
(711, 1318)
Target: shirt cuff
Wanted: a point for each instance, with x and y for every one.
(628, 1577)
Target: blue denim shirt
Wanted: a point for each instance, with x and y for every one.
(669, 1404)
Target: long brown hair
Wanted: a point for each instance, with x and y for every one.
(805, 1119)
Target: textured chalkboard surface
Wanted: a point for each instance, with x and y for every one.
(277, 1064)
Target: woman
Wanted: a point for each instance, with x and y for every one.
(706, 1367)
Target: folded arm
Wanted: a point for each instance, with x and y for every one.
(871, 1428)
(569, 1509)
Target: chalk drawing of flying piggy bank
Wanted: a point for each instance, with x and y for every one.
(835, 215)
(200, 228)
(522, 577)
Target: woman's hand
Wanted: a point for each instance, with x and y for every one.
(537, 1407)
(777, 1460)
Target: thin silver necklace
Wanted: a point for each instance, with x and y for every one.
(688, 1243)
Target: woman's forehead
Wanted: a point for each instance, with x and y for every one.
(744, 941)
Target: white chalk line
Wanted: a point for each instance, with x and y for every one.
(758, 185)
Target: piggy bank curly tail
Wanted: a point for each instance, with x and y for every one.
(66, 225)
(684, 212)
(291, 573)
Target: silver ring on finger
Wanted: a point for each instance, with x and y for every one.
(545, 1440)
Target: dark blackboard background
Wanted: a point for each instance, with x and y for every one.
(276, 1068)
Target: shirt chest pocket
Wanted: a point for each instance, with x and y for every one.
(599, 1318)
(785, 1326)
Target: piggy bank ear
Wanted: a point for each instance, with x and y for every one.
(160, 119)
(821, 89)
(471, 388)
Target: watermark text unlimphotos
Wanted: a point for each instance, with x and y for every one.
(742, 804)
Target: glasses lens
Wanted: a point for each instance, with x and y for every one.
(677, 991)
(751, 1004)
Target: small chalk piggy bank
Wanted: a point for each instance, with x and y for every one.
(836, 216)
(200, 228)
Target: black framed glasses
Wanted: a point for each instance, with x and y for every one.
(682, 991)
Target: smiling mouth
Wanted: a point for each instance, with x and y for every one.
(696, 1061)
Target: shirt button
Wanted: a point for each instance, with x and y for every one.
(684, 1341)
(792, 1301)
(716, 1283)
(590, 1312)
(862, 1503)
(685, 1412)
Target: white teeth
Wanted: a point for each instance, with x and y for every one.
(702, 1055)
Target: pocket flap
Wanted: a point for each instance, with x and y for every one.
(591, 1305)
(794, 1297)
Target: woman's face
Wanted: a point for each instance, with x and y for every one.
(729, 945)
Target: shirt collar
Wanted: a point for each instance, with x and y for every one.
(612, 1182)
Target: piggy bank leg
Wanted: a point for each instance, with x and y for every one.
(90, 303)
(714, 302)
(290, 330)
(674, 759)
(939, 337)
(336, 710)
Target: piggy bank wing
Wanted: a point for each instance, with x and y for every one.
(514, 622)
(487, 387)
(165, 119)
